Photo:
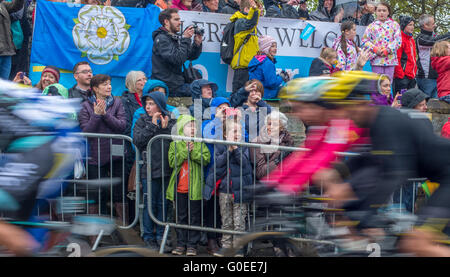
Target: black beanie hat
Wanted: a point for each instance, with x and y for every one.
(404, 21)
(412, 98)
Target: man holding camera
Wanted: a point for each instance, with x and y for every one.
(171, 50)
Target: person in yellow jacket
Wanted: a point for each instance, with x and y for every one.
(245, 40)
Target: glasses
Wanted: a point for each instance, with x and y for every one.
(84, 72)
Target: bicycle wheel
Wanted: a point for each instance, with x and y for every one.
(126, 251)
(286, 247)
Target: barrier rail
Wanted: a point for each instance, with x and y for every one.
(251, 214)
(72, 193)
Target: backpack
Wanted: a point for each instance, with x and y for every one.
(227, 43)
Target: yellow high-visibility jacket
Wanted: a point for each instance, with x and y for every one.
(245, 24)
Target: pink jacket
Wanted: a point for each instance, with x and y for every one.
(179, 5)
(386, 35)
(323, 142)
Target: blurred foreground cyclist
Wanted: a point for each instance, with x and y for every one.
(402, 147)
(37, 151)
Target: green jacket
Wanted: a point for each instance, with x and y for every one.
(245, 24)
(195, 167)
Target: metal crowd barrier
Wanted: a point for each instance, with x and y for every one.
(75, 200)
(203, 228)
(251, 213)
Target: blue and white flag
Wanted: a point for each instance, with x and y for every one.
(113, 40)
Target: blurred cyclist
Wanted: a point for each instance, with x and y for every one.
(402, 148)
(36, 151)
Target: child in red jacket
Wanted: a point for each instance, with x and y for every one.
(445, 132)
(440, 61)
(405, 71)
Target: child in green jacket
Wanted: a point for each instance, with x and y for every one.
(187, 158)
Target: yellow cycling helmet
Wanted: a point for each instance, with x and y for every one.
(351, 87)
(309, 89)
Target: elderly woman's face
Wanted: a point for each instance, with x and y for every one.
(140, 83)
(274, 127)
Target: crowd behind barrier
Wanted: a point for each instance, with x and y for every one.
(196, 165)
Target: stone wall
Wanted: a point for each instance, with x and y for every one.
(440, 112)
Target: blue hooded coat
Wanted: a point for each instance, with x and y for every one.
(196, 91)
(149, 86)
(262, 68)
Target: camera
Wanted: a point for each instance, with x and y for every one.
(285, 76)
(198, 30)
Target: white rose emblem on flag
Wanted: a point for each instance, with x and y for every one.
(101, 33)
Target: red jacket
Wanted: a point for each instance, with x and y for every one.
(445, 132)
(442, 67)
(407, 58)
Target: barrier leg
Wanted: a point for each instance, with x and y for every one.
(163, 243)
(97, 241)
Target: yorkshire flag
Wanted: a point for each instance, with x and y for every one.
(114, 40)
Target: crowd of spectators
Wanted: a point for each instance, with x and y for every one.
(142, 112)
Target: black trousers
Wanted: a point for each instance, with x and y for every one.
(240, 77)
(211, 216)
(188, 213)
(404, 83)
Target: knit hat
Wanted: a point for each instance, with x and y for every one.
(412, 98)
(265, 42)
(53, 70)
(404, 21)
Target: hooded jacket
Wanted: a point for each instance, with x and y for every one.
(442, 67)
(144, 131)
(322, 14)
(230, 7)
(407, 58)
(251, 119)
(149, 86)
(348, 62)
(113, 122)
(424, 43)
(178, 154)
(7, 47)
(263, 69)
(245, 25)
(196, 91)
(383, 35)
(169, 53)
(227, 177)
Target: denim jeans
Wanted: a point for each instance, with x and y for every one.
(428, 86)
(159, 209)
(5, 67)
